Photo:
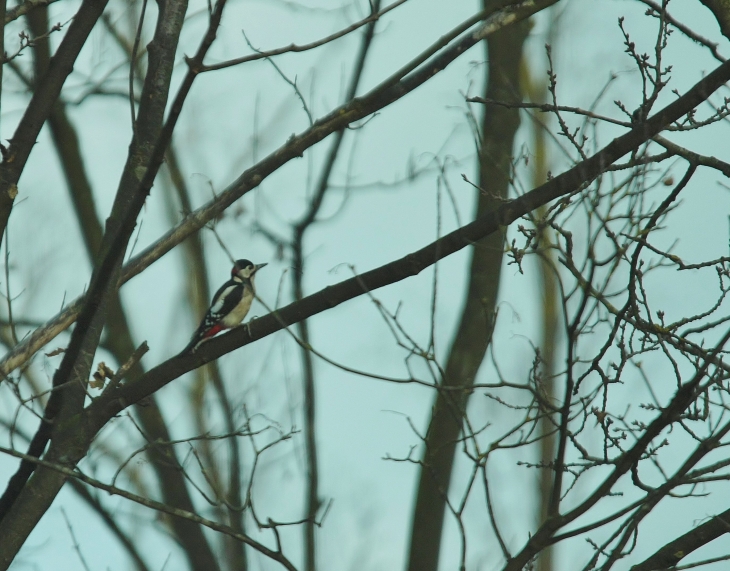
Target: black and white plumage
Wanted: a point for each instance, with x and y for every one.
(230, 303)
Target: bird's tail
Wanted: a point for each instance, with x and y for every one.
(200, 335)
(197, 339)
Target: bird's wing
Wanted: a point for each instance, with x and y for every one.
(225, 299)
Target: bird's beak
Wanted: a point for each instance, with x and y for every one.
(257, 267)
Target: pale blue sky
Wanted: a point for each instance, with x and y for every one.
(360, 420)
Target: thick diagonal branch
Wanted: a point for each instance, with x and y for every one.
(42, 102)
(407, 79)
(25, 503)
(412, 264)
(673, 552)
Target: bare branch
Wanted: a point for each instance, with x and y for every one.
(390, 90)
(305, 47)
(157, 506)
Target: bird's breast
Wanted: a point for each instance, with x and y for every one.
(239, 312)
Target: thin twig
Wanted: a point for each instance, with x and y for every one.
(155, 505)
(75, 541)
(305, 47)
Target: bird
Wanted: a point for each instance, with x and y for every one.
(230, 304)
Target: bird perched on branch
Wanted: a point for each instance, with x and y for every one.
(230, 303)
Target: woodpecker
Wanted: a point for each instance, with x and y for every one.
(230, 303)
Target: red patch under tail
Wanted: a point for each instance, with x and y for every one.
(213, 331)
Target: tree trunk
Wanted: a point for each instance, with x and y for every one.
(499, 125)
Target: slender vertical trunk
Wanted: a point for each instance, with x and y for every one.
(199, 296)
(549, 333)
(312, 502)
(499, 125)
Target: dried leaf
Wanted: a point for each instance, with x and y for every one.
(102, 373)
(103, 369)
(97, 382)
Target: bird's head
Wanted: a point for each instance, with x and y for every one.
(245, 269)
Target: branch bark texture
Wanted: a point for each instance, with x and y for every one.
(721, 10)
(673, 552)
